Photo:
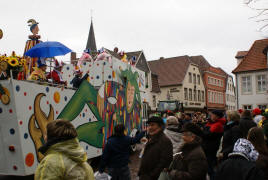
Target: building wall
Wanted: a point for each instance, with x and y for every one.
(230, 94)
(253, 98)
(176, 92)
(198, 103)
(215, 90)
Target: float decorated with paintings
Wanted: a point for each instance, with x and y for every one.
(94, 93)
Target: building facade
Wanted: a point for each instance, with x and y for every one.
(215, 83)
(230, 94)
(180, 80)
(251, 77)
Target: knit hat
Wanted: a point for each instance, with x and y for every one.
(155, 119)
(256, 111)
(193, 128)
(218, 113)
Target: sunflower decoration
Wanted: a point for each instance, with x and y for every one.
(23, 61)
(12, 61)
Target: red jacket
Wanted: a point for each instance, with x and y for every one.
(217, 126)
(56, 77)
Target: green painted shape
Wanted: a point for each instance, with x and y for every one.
(89, 132)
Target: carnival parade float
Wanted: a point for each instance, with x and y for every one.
(113, 92)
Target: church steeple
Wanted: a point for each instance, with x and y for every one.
(91, 43)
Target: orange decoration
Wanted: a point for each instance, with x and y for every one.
(56, 97)
(29, 159)
(113, 74)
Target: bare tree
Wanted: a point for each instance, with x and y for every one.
(261, 7)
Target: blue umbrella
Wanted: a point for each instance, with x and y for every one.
(48, 49)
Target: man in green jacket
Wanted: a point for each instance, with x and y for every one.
(64, 158)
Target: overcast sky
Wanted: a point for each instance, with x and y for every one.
(216, 29)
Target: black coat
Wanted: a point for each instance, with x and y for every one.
(157, 156)
(237, 167)
(191, 164)
(262, 163)
(230, 136)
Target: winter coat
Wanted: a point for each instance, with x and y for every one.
(157, 156)
(76, 81)
(213, 132)
(240, 164)
(230, 136)
(262, 163)
(191, 164)
(245, 124)
(64, 160)
(172, 132)
(117, 150)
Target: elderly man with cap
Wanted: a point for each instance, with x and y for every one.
(78, 79)
(190, 162)
(39, 73)
(213, 132)
(158, 151)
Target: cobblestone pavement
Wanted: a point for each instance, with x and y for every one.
(135, 162)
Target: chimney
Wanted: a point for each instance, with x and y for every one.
(73, 57)
(161, 58)
(240, 56)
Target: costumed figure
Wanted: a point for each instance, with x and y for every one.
(78, 79)
(33, 40)
(85, 57)
(39, 73)
(56, 75)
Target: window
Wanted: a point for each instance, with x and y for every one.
(262, 107)
(261, 83)
(190, 94)
(209, 96)
(154, 101)
(246, 84)
(203, 96)
(209, 80)
(214, 81)
(198, 95)
(212, 97)
(218, 82)
(190, 77)
(247, 107)
(194, 95)
(185, 94)
(194, 77)
(198, 79)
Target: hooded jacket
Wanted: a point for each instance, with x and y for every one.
(64, 160)
(240, 164)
